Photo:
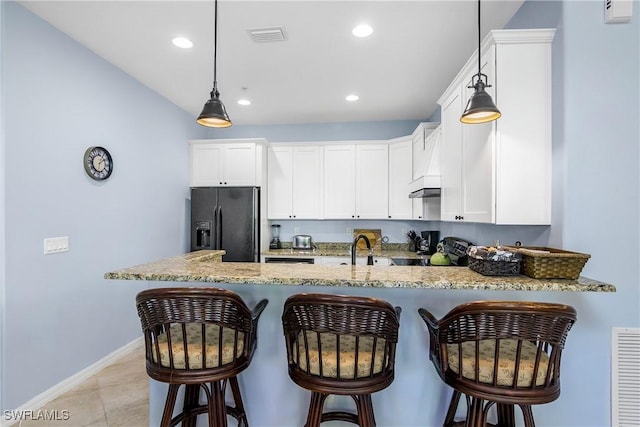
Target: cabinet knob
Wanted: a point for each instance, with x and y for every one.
(389, 216)
(353, 216)
(225, 183)
(220, 182)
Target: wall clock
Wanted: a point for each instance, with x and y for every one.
(98, 163)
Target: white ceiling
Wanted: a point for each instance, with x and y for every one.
(399, 72)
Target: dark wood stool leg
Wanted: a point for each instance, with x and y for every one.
(238, 411)
(219, 404)
(314, 417)
(451, 412)
(475, 413)
(527, 413)
(172, 394)
(191, 401)
(365, 411)
(506, 415)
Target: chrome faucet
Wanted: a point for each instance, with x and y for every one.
(353, 249)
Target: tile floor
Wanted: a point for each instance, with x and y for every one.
(117, 396)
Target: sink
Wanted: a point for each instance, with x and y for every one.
(408, 261)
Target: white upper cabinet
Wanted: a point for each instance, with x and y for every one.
(500, 172)
(339, 181)
(356, 181)
(216, 163)
(400, 176)
(372, 181)
(295, 182)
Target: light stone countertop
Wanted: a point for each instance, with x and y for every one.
(206, 266)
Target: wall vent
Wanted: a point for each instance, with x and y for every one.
(271, 34)
(625, 377)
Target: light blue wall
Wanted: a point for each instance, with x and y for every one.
(596, 210)
(59, 314)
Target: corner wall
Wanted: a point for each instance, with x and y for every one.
(58, 98)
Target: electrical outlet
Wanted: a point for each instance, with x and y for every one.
(54, 245)
(349, 232)
(296, 230)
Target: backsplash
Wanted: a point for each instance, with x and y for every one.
(396, 231)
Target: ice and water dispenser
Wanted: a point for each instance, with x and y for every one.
(203, 234)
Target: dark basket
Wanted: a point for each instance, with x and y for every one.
(494, 268)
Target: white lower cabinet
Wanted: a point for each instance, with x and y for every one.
(360, 260)
(294, 182)
(500, 172)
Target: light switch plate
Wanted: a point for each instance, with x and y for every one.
(54, 245)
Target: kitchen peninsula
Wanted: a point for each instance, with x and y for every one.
(206, 266)
(409, 287)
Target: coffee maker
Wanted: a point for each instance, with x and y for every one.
(275, 237)
(429, 242)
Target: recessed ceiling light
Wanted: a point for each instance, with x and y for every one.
(362, 30)
(352, 98)
(244, 102)
(182, 42)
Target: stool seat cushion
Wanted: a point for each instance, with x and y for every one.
(506, 362)
(347, 355)
(194, 346)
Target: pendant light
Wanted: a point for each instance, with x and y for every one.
(214, 114)
(480, 107)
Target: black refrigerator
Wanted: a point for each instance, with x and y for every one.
(227, 218)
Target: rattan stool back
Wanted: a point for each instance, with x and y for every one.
(202, 338)
(343, 345)
(500, 352)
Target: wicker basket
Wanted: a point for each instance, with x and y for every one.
(550, 263)
(494, 268)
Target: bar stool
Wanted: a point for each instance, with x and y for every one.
(499, 352)
(342, 345)
(200, 338)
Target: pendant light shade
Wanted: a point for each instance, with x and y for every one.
(214, 114)
(480, 108)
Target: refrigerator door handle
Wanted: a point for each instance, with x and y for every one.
(219, 228)
(214, 231)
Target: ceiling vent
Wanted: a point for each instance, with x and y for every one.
(271, 34)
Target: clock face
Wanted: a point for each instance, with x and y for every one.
(98, 163)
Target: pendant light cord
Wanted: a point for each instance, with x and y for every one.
(479, 35)
(215, 46)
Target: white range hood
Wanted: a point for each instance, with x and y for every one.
(429, 183)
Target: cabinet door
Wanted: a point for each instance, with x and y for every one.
(418, 146)
(307, 182)
(372, 181)
(339, 181)
(239, 164)
(478, 154)
(451, 178)
(206, 165)
(400, 205)
(280, 182)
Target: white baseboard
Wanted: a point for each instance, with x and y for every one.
(69, 383)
